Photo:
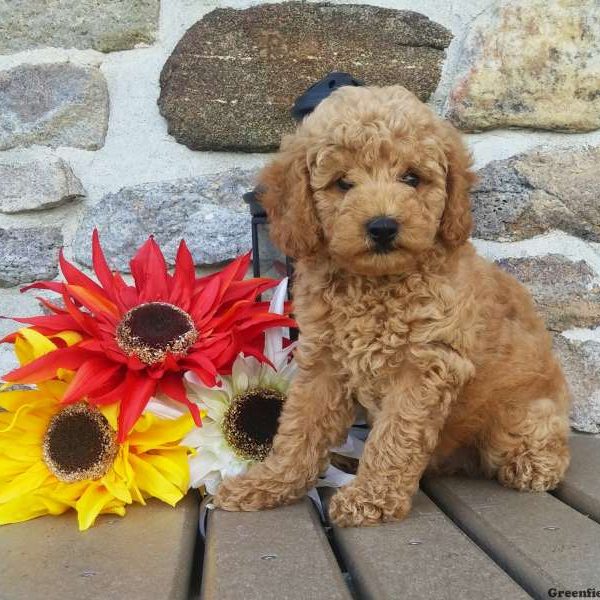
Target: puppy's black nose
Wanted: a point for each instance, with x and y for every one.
(383, 231)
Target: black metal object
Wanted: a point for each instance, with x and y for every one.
(259, 217)
(320, 90)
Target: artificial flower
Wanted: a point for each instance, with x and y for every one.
(54, 457)
(138, 340)
(240, 415)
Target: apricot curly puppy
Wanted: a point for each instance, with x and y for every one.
(398, 314)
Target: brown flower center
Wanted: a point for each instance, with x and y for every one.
(152, 330)
(79, 444)
(251, 421)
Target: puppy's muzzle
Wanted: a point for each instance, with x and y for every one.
(382, 231)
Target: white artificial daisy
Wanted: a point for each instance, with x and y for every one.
(240, 416)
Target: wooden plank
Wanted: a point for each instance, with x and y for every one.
(424, 556)
(146, 554)
(538, 540)
(581, 487)
(279, 554)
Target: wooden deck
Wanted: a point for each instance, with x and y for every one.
(464, 539)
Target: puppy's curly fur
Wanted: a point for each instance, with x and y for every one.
(444, 350)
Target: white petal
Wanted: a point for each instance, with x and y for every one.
(274, 335)
(213, 400)
(212, 482)
(352, 447)
(245, 373)
(207, 436)
(334, 477)
(200, 466)
(278, 300)
(235, 467)
(165, 408)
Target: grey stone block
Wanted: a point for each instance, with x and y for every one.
(59, 104)
(106, 26)
(36, 183)
(29, 254)
(207, 211)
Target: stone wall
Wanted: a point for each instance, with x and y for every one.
(148, 116)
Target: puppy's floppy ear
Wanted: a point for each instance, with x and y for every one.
(286, 196)
(457, 220)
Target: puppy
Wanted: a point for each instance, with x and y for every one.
(398, 314)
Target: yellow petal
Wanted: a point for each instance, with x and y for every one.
(22, 509)
(90, 505)
(26, 482)
(162, 432)
(111, 412)
(150, 480)
(123, 469)
(69, 337)
(117, 487)
(53, 390)
(30, 345)
(173, 466)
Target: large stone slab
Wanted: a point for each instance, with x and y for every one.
(530, 194)
(29, 254)
(58, 104)
(106, 26)
(232, 79)
(207, 211)
(566, 292)
(36, 183)
(581, 364)
(530, 63)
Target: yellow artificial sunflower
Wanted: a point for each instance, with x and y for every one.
(54, 457)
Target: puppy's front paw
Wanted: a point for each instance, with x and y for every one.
(248, 493)
(357, 506)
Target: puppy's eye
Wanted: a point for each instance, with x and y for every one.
(344, 184)
(409, 178)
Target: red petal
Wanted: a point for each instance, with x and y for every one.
(183, 278)
(50, 306)
(75, 277)
(54, 286)
(205, 303)
(149, 269)
(91, 376)
(172, 386)
(248, 289)
(96, 304)
(46, 366)
(116, 394)
(49, 322)
(85, 322)
(139, 390)
(101, 268)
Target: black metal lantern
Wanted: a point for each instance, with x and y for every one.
(267, 261)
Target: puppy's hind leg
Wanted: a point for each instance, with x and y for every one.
(527, 448)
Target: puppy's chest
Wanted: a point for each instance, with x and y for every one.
(368, 328)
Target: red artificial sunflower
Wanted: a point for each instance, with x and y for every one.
(139, 339)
